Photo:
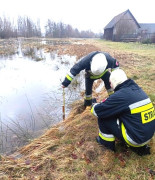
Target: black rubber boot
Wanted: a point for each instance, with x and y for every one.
(98, 139)
(107, 144)
(141, 151)
(89, 102)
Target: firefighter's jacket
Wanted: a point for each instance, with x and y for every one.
(134, 110)
(85, 64)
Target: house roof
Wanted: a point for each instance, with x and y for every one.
(150, 27)
(112, 23)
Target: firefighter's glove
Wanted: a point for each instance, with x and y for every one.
(110, 91)
(66, 82)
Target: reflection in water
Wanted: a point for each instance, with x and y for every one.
(31, 96)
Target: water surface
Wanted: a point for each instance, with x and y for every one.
(31, 96)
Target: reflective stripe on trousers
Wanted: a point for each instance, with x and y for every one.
(88, 97)
(106, 137)
(128, 140)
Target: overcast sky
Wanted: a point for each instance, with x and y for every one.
(81, 14)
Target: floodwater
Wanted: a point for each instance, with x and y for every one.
(31, 96)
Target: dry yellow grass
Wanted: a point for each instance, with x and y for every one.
(68, 151)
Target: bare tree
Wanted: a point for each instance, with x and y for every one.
(27, 28)
(7, 29)
(61, 30)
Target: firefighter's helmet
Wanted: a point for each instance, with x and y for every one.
(117, 77)
(98, 64)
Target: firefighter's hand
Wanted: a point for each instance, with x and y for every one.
(66, 82)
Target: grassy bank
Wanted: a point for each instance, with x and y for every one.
(68, 151)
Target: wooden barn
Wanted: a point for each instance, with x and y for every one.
(124, 27)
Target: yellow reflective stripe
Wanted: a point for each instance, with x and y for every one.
(92, 110)
(125, 137)
(98, 76)
(107, 138)
(110, 93)
(88, 98)
(69, 78)
(142, 108)
(115, 68)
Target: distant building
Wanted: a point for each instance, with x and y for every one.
(147, 30)
(124, 27)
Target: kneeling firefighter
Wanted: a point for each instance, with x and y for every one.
(127, 114)
(96, 65)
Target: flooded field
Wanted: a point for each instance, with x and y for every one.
(31, 96)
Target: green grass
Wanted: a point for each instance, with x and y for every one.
(137, 59)
(137, 48)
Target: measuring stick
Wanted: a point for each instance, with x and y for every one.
(63, 107)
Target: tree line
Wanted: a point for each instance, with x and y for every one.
(26, 27)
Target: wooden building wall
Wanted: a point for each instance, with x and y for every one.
(108, 34)
(126, 26)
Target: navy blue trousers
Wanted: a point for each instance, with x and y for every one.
(110, 127)
(89, 83)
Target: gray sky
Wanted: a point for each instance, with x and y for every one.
(81, 14)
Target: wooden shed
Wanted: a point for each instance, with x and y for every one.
(121, 27)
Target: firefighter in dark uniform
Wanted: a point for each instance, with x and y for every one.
(96, 65)
(127, 114)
